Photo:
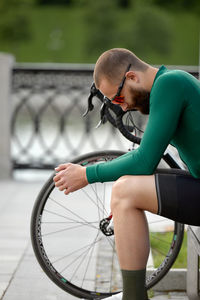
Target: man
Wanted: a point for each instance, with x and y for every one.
(172, 100)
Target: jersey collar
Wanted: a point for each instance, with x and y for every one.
(161, 70)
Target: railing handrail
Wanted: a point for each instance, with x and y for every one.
(86, 67)
(54, 67)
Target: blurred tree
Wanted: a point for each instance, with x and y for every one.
(150, 32)
(101, 19)
(124, 3)
(192, 5)
(53, 2)
(14, 24)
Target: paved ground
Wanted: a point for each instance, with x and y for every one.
(20, 275)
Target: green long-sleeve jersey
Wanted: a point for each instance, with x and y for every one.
(174, 118)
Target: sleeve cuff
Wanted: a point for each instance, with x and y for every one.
(91, 173)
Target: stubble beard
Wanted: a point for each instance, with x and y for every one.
(140, 100)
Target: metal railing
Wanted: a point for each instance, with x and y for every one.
(47, 127)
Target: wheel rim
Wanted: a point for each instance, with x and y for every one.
(73, 250)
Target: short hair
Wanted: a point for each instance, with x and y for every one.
(113, 63)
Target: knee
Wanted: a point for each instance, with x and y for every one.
(121, 195)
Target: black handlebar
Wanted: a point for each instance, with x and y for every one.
(105, 114)
(126, 133)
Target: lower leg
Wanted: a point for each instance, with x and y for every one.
(132, 243)
(131, 232)
(131, 237)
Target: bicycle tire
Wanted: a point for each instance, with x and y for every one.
(46, 223)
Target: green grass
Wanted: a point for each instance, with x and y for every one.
(158, 248)
(59, 34)
(181, 261)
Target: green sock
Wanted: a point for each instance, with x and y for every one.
(134, 285)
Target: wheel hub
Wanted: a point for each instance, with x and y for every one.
(105, 228)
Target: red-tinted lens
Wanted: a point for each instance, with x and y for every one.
(118, 100)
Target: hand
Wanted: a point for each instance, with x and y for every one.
(70, 177)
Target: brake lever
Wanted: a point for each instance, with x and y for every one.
(93, 92)
(103, 118)
(90, 105)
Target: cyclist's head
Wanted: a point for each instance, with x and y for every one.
(112, 64)
(121, 76)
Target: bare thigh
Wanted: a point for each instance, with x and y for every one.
(139, 191)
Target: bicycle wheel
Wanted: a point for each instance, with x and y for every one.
(74, 242)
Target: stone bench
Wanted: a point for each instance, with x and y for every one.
(193, 254)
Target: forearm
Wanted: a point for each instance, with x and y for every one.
(131, 163)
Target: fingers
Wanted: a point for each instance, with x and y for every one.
(58, 176)
(67, 191)
(59, 181)
(61, 167)
(60, 185)
(62, 188)
(69, 178)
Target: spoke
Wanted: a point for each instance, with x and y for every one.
(61, 230)
(112, 243)
(73, 252)
(84, 254)
(59, 215)
(96, 194)
(73, 221)
(57, 222)
(86, 251)
(69, 210)
(86, 193)
(88, 262)
(103, 205)
(96, 222)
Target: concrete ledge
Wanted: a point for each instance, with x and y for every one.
(175, 280)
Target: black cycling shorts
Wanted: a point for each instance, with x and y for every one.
(178, 195)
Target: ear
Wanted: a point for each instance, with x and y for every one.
(131, 75)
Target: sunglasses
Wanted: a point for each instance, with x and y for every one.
(117, 99)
